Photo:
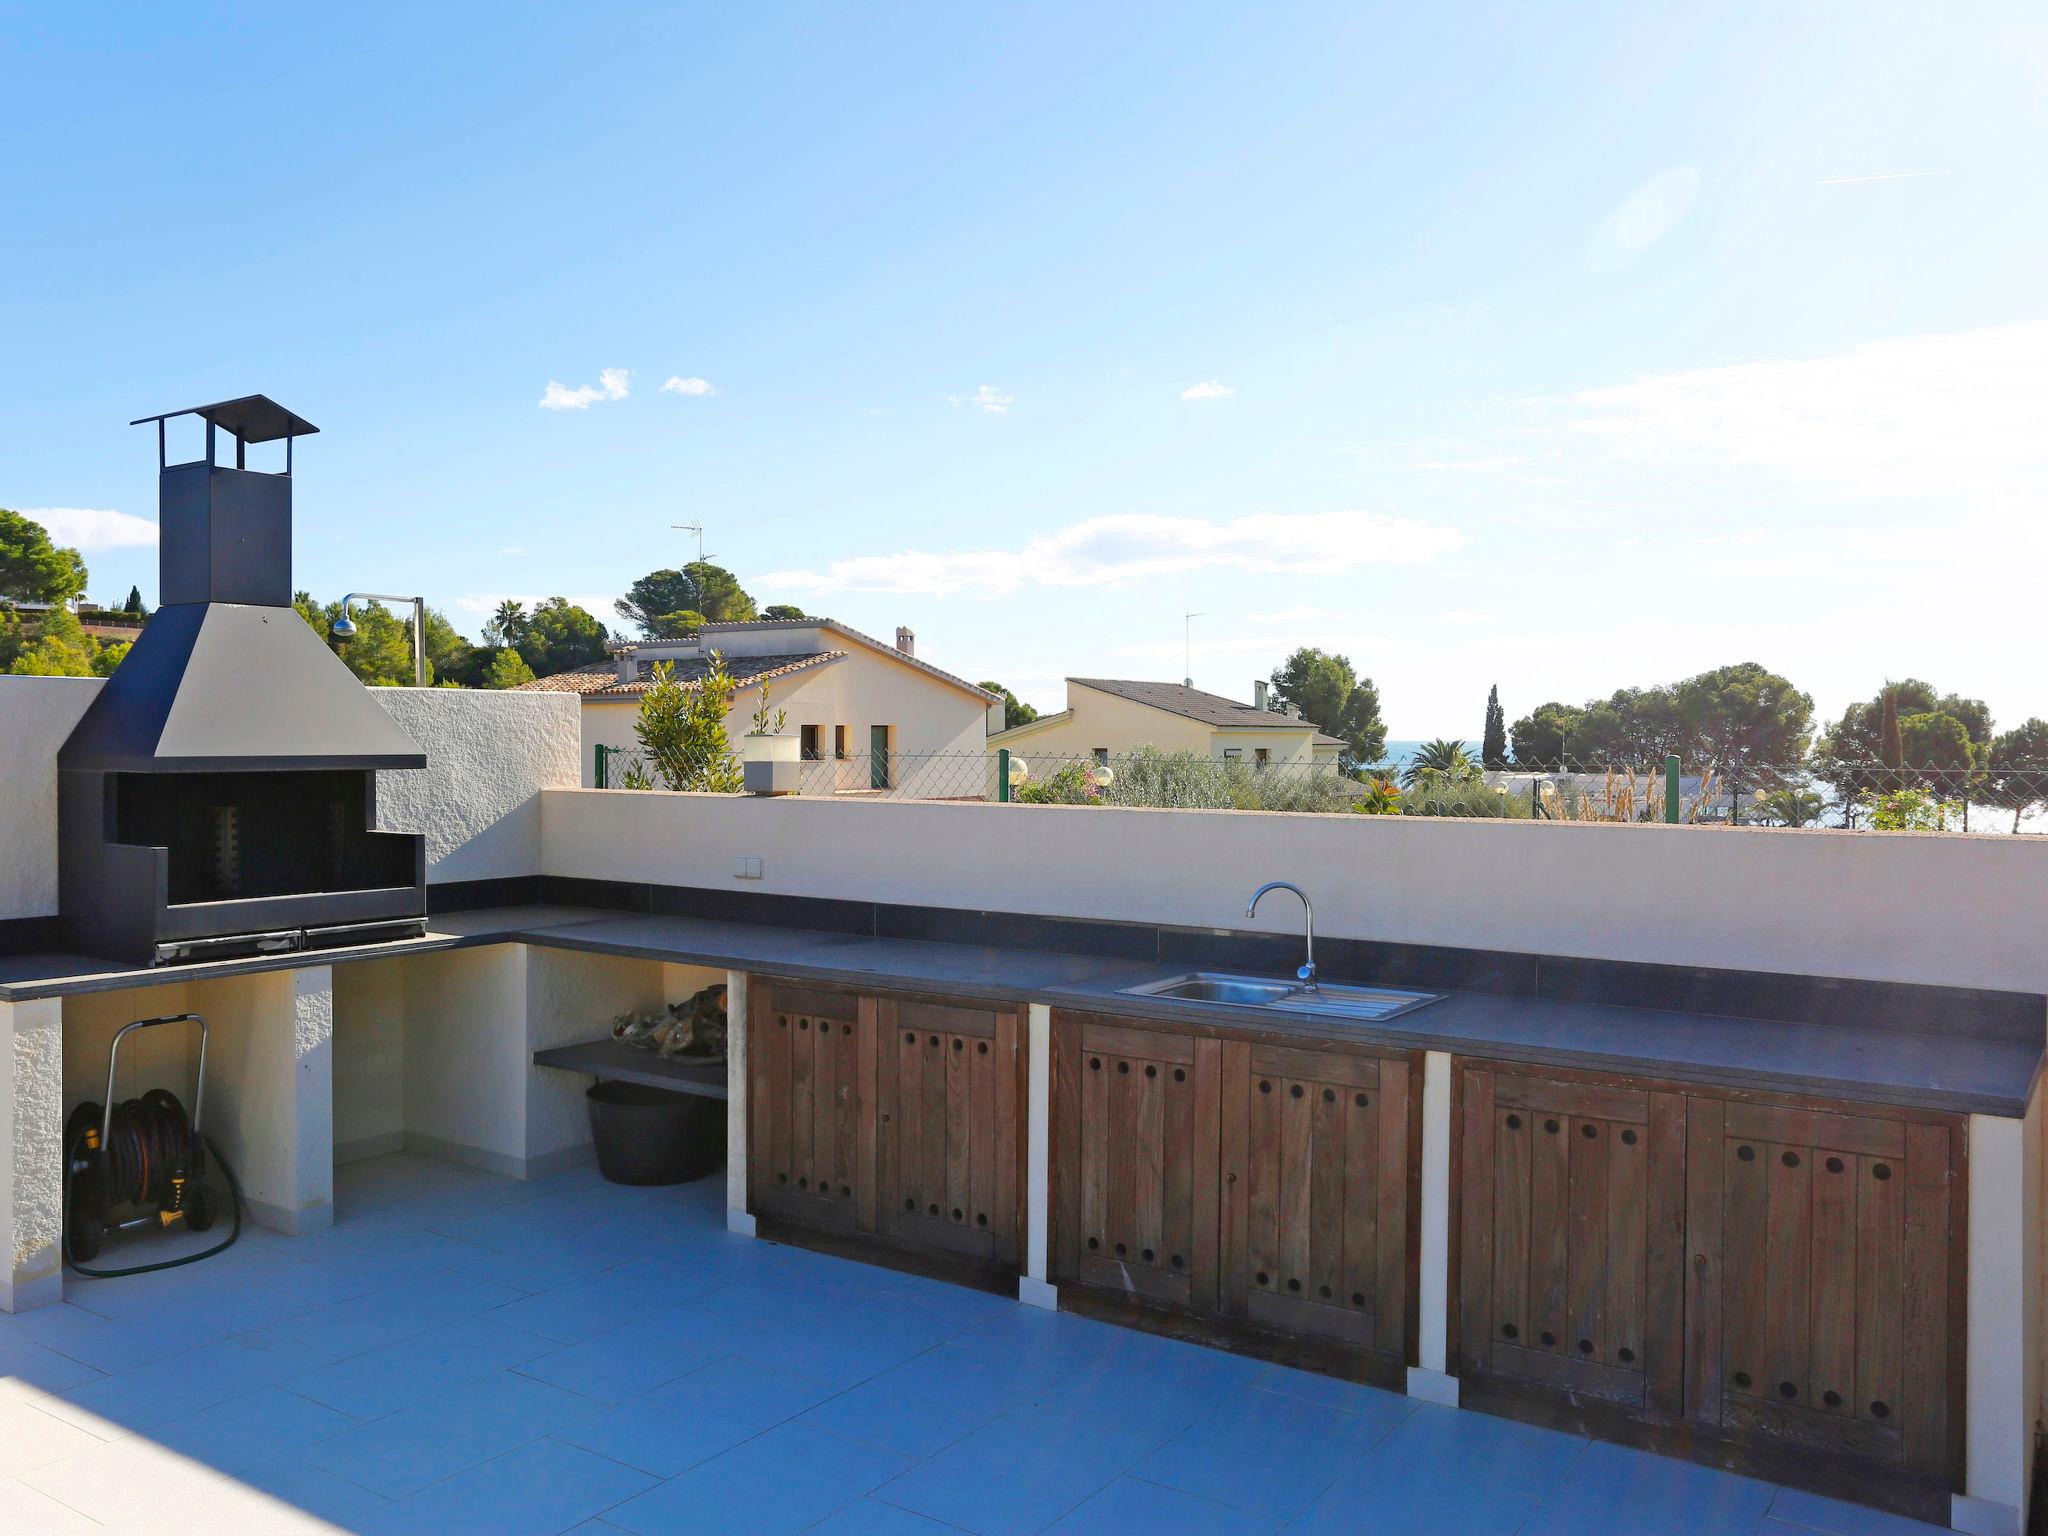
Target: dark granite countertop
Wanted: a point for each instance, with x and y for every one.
(1889, 1066)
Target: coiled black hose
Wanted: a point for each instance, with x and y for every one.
(149, 1139)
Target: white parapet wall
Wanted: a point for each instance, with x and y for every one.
(488, 756)
(1915, 907)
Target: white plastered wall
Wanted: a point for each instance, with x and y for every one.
(488, 755)
(1915, 907)
(369, 1059)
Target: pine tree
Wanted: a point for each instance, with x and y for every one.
(133, 606)
(1493, 748)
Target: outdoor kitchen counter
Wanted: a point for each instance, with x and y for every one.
(1878, 1065)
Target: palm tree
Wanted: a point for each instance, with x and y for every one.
(1439, 759)
(507, 624)
(1794, 807)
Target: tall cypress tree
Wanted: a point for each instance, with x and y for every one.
(1493, 749)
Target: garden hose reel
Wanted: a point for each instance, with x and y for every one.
(142, 1165)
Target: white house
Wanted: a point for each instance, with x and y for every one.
(1107, 717)
(870, 716)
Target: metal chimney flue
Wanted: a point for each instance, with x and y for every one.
(218, 796)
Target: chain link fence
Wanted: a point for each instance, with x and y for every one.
(2008, 798)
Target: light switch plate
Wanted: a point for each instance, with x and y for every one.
(746, 867)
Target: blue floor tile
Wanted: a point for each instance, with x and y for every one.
(536, 1490)
(313, 1490)
(845, 1347)
(172, 1388)
(639, 1356)
(396, 1312)
(1443, 1470)
(930, 1400)
(871, 1517)
(1266, 1452)
(695, 1417)
(102, 1343)
(1613, 1487)
(1018, 1474)
(412, 1370)
(776, 1484)
(248, 1430)
(1128, 1507)
(583, 1308)
(1810, 1512)
(1330, 1391)
(32, 1368)
(408, 1450)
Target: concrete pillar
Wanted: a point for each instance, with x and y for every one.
(2004, 1340)
(1431, 1379)
(31, 1131)
(737, 1217)
(1034, 1285)
(270, 1091)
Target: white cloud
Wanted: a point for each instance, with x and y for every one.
(598, 607)
(1952, 418)
(1853, 181)
(987, 398)
(678, 385)
(611, 385)
(1646, 216)
(91, 528)
(513, 549)
(1104, 551)
(1208, 389)
(1937, 415)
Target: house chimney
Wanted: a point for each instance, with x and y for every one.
(1259, 687)
(906, 640)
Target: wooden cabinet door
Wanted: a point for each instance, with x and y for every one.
(947, 1142)
(1135, 1153)
(1571, 1226)
(1315, 1168)
(811, 1149)
(1821, 1315)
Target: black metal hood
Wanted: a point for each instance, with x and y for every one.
(227, 675)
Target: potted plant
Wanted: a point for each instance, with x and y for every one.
(772, 761)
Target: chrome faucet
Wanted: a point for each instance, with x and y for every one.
(1306, 972)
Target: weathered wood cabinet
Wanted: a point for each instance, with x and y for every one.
(1774, 1277)
(892, 1118)
(1251, 1184)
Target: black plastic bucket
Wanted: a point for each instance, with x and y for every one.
(652, 1136)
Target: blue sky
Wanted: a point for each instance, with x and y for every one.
(1559, 348)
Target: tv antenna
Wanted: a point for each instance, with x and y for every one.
(1187, 640)
(697, 529)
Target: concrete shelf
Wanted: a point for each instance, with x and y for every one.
(624, 1063)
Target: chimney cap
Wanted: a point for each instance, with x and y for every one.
(252, 418)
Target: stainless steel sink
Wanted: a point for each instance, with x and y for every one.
(1225, 989)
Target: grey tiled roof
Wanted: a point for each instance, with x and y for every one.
(711, 631)
(747, 672)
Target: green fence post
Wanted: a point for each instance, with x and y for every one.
(1003, 775)
(1671, 790)
(597, 771)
